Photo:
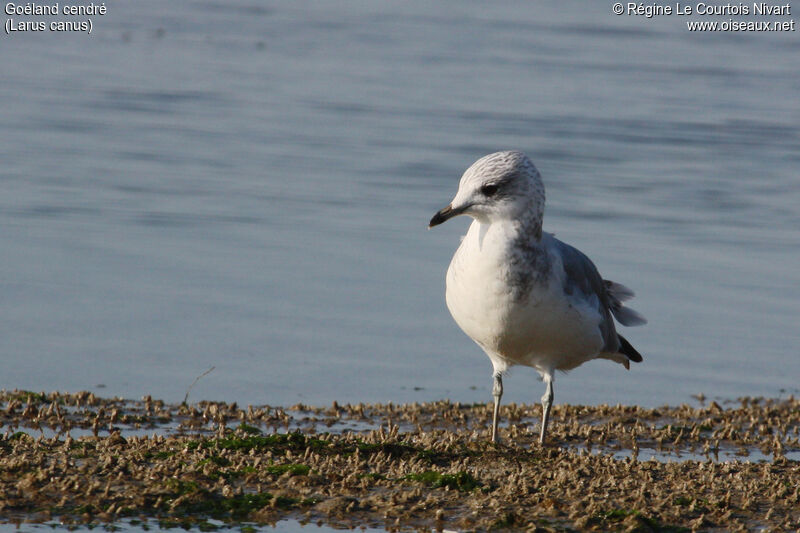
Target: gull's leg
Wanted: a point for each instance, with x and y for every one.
(497, 392)
(547, 403)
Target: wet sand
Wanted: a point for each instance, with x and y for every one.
(79, 459)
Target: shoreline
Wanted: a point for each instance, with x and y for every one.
(80, 459)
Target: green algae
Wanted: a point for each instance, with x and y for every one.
(461, 481)
(278, 442)
(293, 469)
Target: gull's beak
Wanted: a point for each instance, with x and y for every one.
(445, 214)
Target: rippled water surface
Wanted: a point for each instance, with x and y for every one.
(246, 185)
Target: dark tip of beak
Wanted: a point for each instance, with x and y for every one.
(442, 216)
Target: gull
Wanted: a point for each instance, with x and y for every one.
(525, 297)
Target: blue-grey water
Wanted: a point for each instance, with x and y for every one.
(246, 185)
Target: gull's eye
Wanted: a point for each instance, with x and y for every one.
(488, 190)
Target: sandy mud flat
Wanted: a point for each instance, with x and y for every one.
(717, 466)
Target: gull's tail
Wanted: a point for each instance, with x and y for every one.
(618, 293)
(626, 349)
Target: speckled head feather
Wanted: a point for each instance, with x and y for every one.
(502, 185)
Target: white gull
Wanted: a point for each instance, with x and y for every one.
(522, 295)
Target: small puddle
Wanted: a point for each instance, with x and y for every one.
(725, 455)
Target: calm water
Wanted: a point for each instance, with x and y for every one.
(246, 185)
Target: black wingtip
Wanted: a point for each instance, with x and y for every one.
(628, 351)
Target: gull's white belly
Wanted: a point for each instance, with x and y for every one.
(544, 328)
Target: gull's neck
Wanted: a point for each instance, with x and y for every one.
(528, 227)
(519, 232)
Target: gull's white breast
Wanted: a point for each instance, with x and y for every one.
(519, 317)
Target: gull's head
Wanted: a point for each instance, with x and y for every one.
(499, 186)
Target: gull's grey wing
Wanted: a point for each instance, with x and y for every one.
(618, 293)
(582, 276)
